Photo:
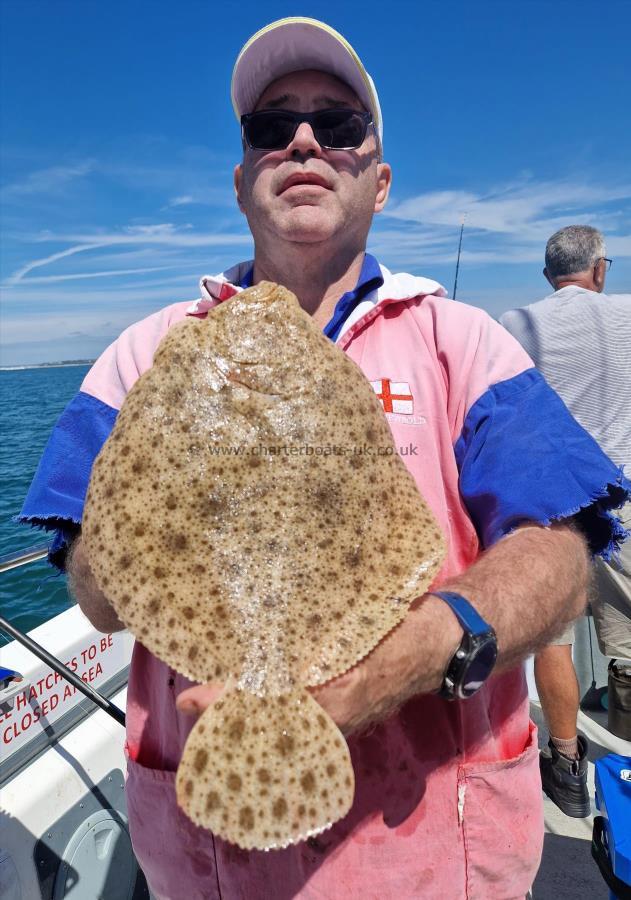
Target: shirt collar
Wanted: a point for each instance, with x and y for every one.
(247, 279)
(370, 278)
(374, 280)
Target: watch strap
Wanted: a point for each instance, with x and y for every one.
(469, 618)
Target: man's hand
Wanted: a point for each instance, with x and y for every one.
(195, 700)
(344, 698)
(401, 665)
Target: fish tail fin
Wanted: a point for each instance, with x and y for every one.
(265, 772)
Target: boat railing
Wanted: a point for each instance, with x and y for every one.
(23, 557)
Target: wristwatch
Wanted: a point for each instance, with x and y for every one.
(473, 661)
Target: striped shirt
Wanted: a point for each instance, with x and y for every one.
(581, 341)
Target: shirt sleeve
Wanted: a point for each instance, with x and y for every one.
(57, 493)
(522, 457)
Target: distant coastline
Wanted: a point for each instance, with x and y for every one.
(49, 365)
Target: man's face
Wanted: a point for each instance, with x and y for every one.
(303, 193)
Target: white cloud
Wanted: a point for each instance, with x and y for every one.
(49, 279)
(54, 257)
(52, 326)
(182, 201)
(520, 208)
(161, 230)
(158, 234)
(507, 224)
(29, 302)
(47, 181)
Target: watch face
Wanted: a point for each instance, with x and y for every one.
(479, 667)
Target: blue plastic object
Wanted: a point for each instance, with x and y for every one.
(613, 799)
(8, 674)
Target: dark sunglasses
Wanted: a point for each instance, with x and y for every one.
(333, 129)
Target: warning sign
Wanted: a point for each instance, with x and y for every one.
(47, 695)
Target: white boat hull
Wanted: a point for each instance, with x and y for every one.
(62, 771)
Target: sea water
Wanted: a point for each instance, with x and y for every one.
(31, 400)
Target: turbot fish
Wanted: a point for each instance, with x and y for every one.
(251, 523)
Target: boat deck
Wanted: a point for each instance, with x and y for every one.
(568, 871)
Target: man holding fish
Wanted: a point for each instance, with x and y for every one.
(447, 799)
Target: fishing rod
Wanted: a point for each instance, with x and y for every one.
(464, 216)
(55, 664)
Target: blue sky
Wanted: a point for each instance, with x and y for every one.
(119, 142)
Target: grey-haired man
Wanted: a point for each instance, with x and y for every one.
(579, 337)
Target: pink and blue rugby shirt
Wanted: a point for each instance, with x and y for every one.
(520, 454)
(453, 785)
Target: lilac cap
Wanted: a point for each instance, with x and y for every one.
(292, 45)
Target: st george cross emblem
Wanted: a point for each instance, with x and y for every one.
(395, 396)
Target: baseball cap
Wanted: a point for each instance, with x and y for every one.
(292, 45)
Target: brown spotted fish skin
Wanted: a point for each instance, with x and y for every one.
(251, 522)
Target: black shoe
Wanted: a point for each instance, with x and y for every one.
(565, 780)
